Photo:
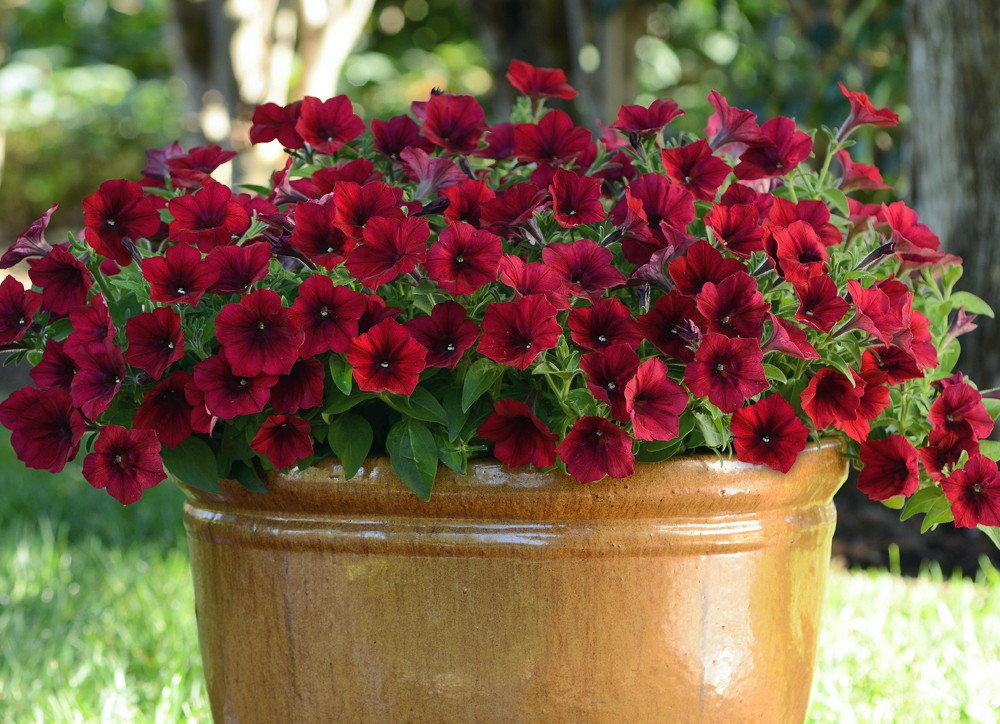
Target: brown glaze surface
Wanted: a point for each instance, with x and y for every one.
(689, 592)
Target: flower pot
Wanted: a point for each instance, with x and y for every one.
(689, 592)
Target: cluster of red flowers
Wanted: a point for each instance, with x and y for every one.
(522, 289)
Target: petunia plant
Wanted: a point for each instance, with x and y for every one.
(436, 289)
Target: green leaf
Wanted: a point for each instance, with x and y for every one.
(993, 533)
(414, 456)
(340, 371)
(454, 458)
(452, 404)
(421, 404)
(481, 376)
(193, 463)
(992, 407)
(774, 374)
(970, 303)
(949, 357)
(930, 502)
(337, 402)
(990, 448)
(710, 430)
(350, 437)
(247, 476)
(837, 199)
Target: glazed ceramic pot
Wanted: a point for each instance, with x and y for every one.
(689, 592)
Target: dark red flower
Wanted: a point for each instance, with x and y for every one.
(739, 193)
(454, 123)
(701, 264)
(515, 333)
(300, 389)
(539, 82)
(465, 201)
(974, 493)
(237, 267)
(959, 411)
(695, 168)
(889, 468)
(898, 365)
(156, 171)
(446, 333)
(271, 121)
(431, 173)
(386, 358)
(499, 142)
(317, 235)
(605, 323)
(397, 133)
(858, 176)
(258, 335)
(513, 209)
(155, 341)
(30, 242)
(118, 211)
(596, 448)
(166, 410)
(914, 242)
(673, 325)
(819, 304)
(645, 121)
(208, 218)
(789, 338)
(726, 370)
(328, 125)
(799, 252)
(608, 371)
(863, 112)
(201, 419)
(943, 451)
(464, 258)
(731, 125)
(179, 276)
(227, 394)
(327, 314)
(586, 267)
(17, 309)
(665, 205)
(832, 399)
(553, 140)
(576, 199)
(875, 313)
(782, 147)
(737, 227)
(194, 168)
(97, 381)
(63, 279)
(654, 402)
(125, 463)
(358, 171)
(45, 427)
(518, 437)
(391, 246)
(56, 368)
(769, 433)
(375, 311)
(92, 328)
(533, 278)
(874, 399)
(734, 307)
(783, 213)
(284, 440)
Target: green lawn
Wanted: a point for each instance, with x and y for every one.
(97, 621)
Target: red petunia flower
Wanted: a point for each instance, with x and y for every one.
(513, 209)
(539, 82)
(463, 259)
(533, 278)
(875, 313)
(328, 125)
(202, 420)
(701, 264)
(125, 463)
(499, 142)
(208, 218)
(63, 279)
(166, 410)
(515, 333)
(386, 358)
(737, 227)
(959, 411)
(831, 399)
(45, 427)
(608, 371)
(857, 176)
(673, 325)
(726, 370)
(179, 276)
(605, 323)
(889, 468)
(873, 400)
(155, 340)
(783, 213)
(118, 211)
(799, 252)
(455, 123)
(445, 333)
(465, 201)
(769, 433)
(863, 112)
(56, 369)
(898, 365)
(733, 307)
(397, 133)
(518, 437)
(666, 206)
(317, 235)
(647, 121)
(273, 122)
(943, 451)
(237, 267)
(284, 440)
(739, 193)
(229, 395)
(300, 389)
(391, 247)
(654, 402)
(788, 338)
(731, 125)
(974, 493)
(782, 147)
(553, 140)
(596, 448)
(586, 267)
(819, 304)
(17, 309)
(914, 242)
(576, 199)
(99, 377)
(432, 173)
(694, 167)
(194, 168)
(92, 328)
(375, 311)
(30, 242)
(258, 335)
(327, 315)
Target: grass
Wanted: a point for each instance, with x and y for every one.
(97, 621)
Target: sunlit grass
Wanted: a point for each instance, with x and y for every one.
(97, 621)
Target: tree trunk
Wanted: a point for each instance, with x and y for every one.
(954, 56)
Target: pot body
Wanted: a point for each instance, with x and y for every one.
(689, 592)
